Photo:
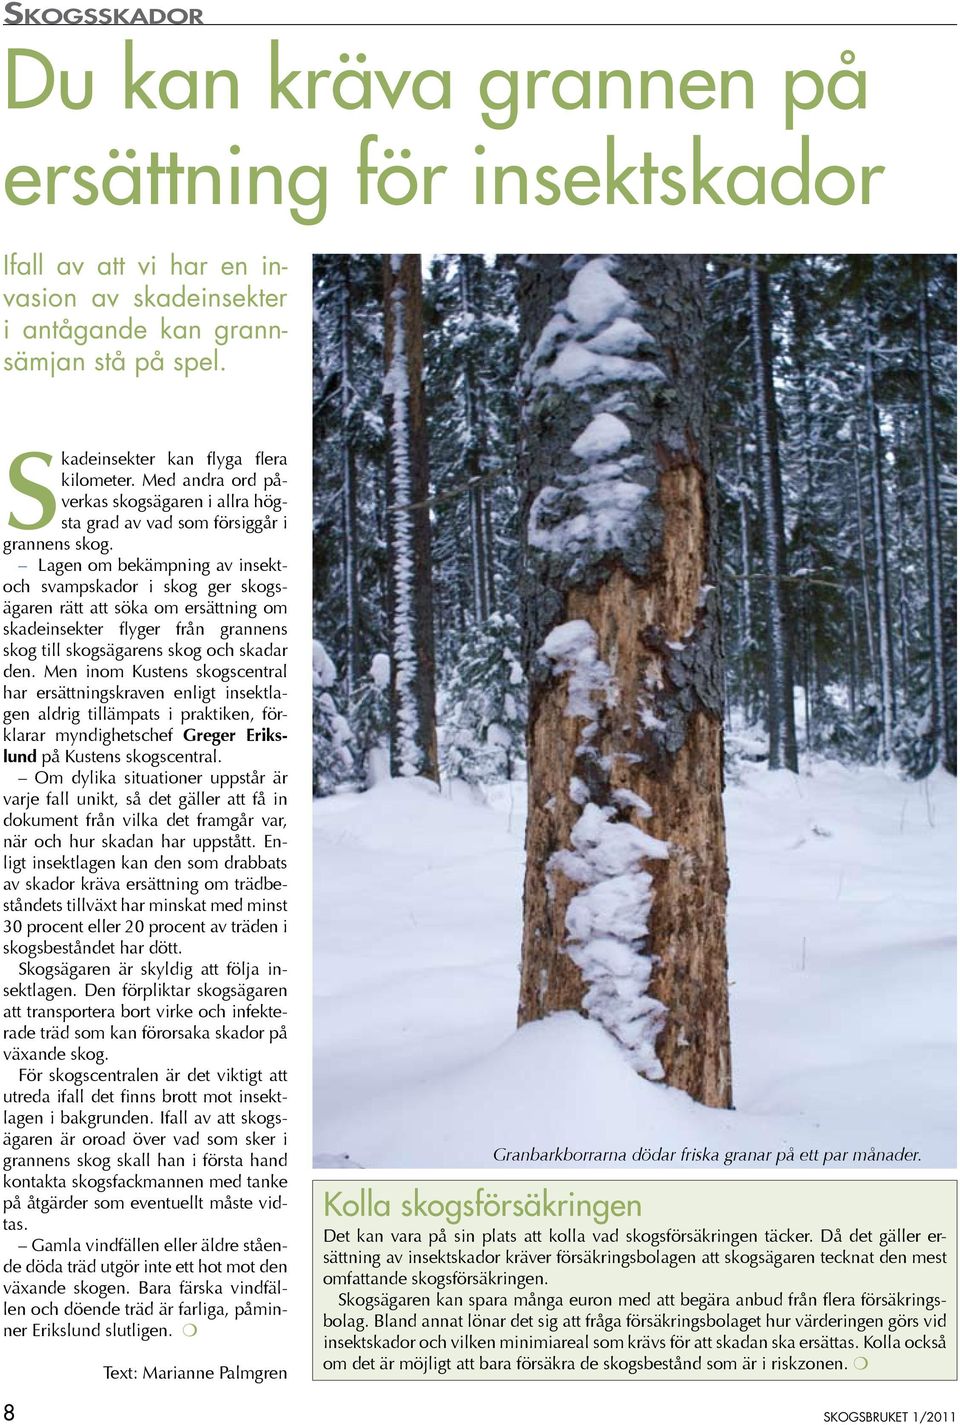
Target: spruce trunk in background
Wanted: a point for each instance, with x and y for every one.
(473, 465)
(626, 877)
(880, 542)
(781, 720)
(351, 540)
(748, 700)
(803, 600)
(413, 728)
(943, 730)
(864, 564)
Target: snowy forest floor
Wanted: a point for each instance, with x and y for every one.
(841, 983)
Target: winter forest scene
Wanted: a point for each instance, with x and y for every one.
(634, 710)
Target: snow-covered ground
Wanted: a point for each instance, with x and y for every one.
(841, 968)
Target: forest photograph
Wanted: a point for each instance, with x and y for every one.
(634, 710)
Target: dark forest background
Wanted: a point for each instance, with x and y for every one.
(832, 391)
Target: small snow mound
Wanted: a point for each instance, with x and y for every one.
(508, 1100)
(605, 435)
(617, 907)
(572, 648)
(593, 518)
(620, 338)
(568, 642)
(625, 798)
(575, 365)
(378, 767)
(613, 849)
(596, 297)
(324, 668)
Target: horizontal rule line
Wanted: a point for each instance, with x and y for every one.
(521, 25)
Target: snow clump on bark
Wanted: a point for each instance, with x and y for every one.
(607, 921)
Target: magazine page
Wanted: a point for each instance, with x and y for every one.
(479, 713)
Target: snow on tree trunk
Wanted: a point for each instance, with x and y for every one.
(413, 732)
(472, 438)
(746, 596)
(901, 555)
(853, 652)
(488, 545)
(940, 706)
(802, 333)
(862, 549)
(332, 735)
(625, 893)
(780, 711)
(484, 704)
(881, 563)
(348, 471)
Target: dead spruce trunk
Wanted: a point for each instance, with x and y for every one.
(626, 878)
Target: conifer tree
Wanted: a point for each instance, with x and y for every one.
(625, 891)
(485, 714)
(413, 728)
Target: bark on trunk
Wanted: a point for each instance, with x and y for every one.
(351, 575)
(748, 699)
(780, 710)
(902, 554)
(413, 728)
(474, 438)
(802, 335)
(623, 644)
(862, 548)
(489, 563)
(943, 726)
(853, 653)
(882, 564)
